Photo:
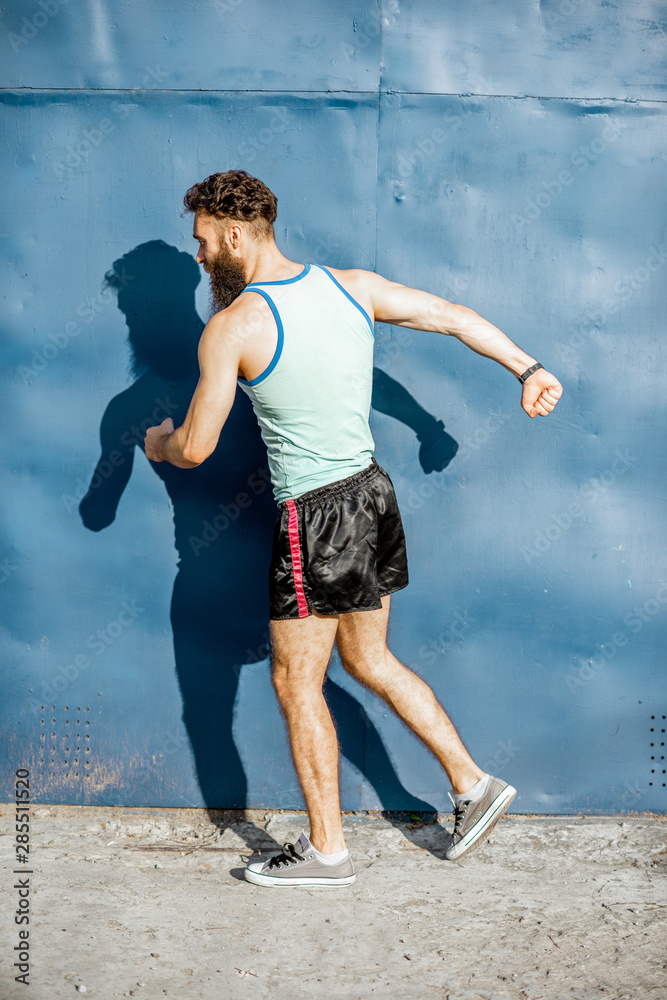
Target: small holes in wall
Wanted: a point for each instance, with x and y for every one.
(652, 730)
(64, 742)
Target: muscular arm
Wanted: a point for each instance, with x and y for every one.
(190, 444)
(403, 306)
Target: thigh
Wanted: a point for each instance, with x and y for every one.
(301, 647)
(362, 636)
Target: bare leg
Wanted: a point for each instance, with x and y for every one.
(300, 653)
(363, 649)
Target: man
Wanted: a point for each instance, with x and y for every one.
(299, 340)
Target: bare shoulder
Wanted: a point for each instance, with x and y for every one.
(358, 283)
(248, 314)
(353, 278)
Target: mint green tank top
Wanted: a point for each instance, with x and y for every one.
(313, 400)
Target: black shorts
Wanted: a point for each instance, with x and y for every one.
(339, 548)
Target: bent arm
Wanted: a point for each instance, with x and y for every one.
(191, 444)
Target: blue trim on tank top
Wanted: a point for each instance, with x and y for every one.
(347, 295)
(285, 281)
(281, 336)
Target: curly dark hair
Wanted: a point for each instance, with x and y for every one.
(234, 194)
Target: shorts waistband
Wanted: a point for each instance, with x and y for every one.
(341, 488)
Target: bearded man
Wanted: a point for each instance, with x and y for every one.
(298, 339)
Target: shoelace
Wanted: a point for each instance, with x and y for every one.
(289, 856)
(459, 816)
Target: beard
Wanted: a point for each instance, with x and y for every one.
(228, 279)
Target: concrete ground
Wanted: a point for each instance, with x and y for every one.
(152, 903)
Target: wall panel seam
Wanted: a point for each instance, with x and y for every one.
(325, 93)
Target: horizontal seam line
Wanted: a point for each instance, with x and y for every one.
(369, 93)
(180, 90)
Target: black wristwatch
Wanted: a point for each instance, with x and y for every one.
(529, 371)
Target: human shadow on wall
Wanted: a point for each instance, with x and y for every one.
(223, 520)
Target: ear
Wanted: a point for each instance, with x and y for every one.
(235, 236)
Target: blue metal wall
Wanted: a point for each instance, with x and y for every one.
(509, 157)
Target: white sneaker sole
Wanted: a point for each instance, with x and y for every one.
(258, 879)
(482, 829)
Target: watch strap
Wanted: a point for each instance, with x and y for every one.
(529, 371)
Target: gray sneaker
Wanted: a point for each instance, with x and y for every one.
(297, 865)
(474, 821)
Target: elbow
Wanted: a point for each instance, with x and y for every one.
(196, 448)
(193, 457)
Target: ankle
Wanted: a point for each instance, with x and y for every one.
(464, 783)
(333, 846)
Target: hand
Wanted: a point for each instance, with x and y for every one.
(541, 392)
(155, 437)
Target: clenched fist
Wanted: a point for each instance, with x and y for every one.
(540, 393)
(154, 438)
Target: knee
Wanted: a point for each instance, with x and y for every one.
(281, 676)
(367, 667)
(292, 683)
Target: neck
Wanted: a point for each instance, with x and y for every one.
(269, 264)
